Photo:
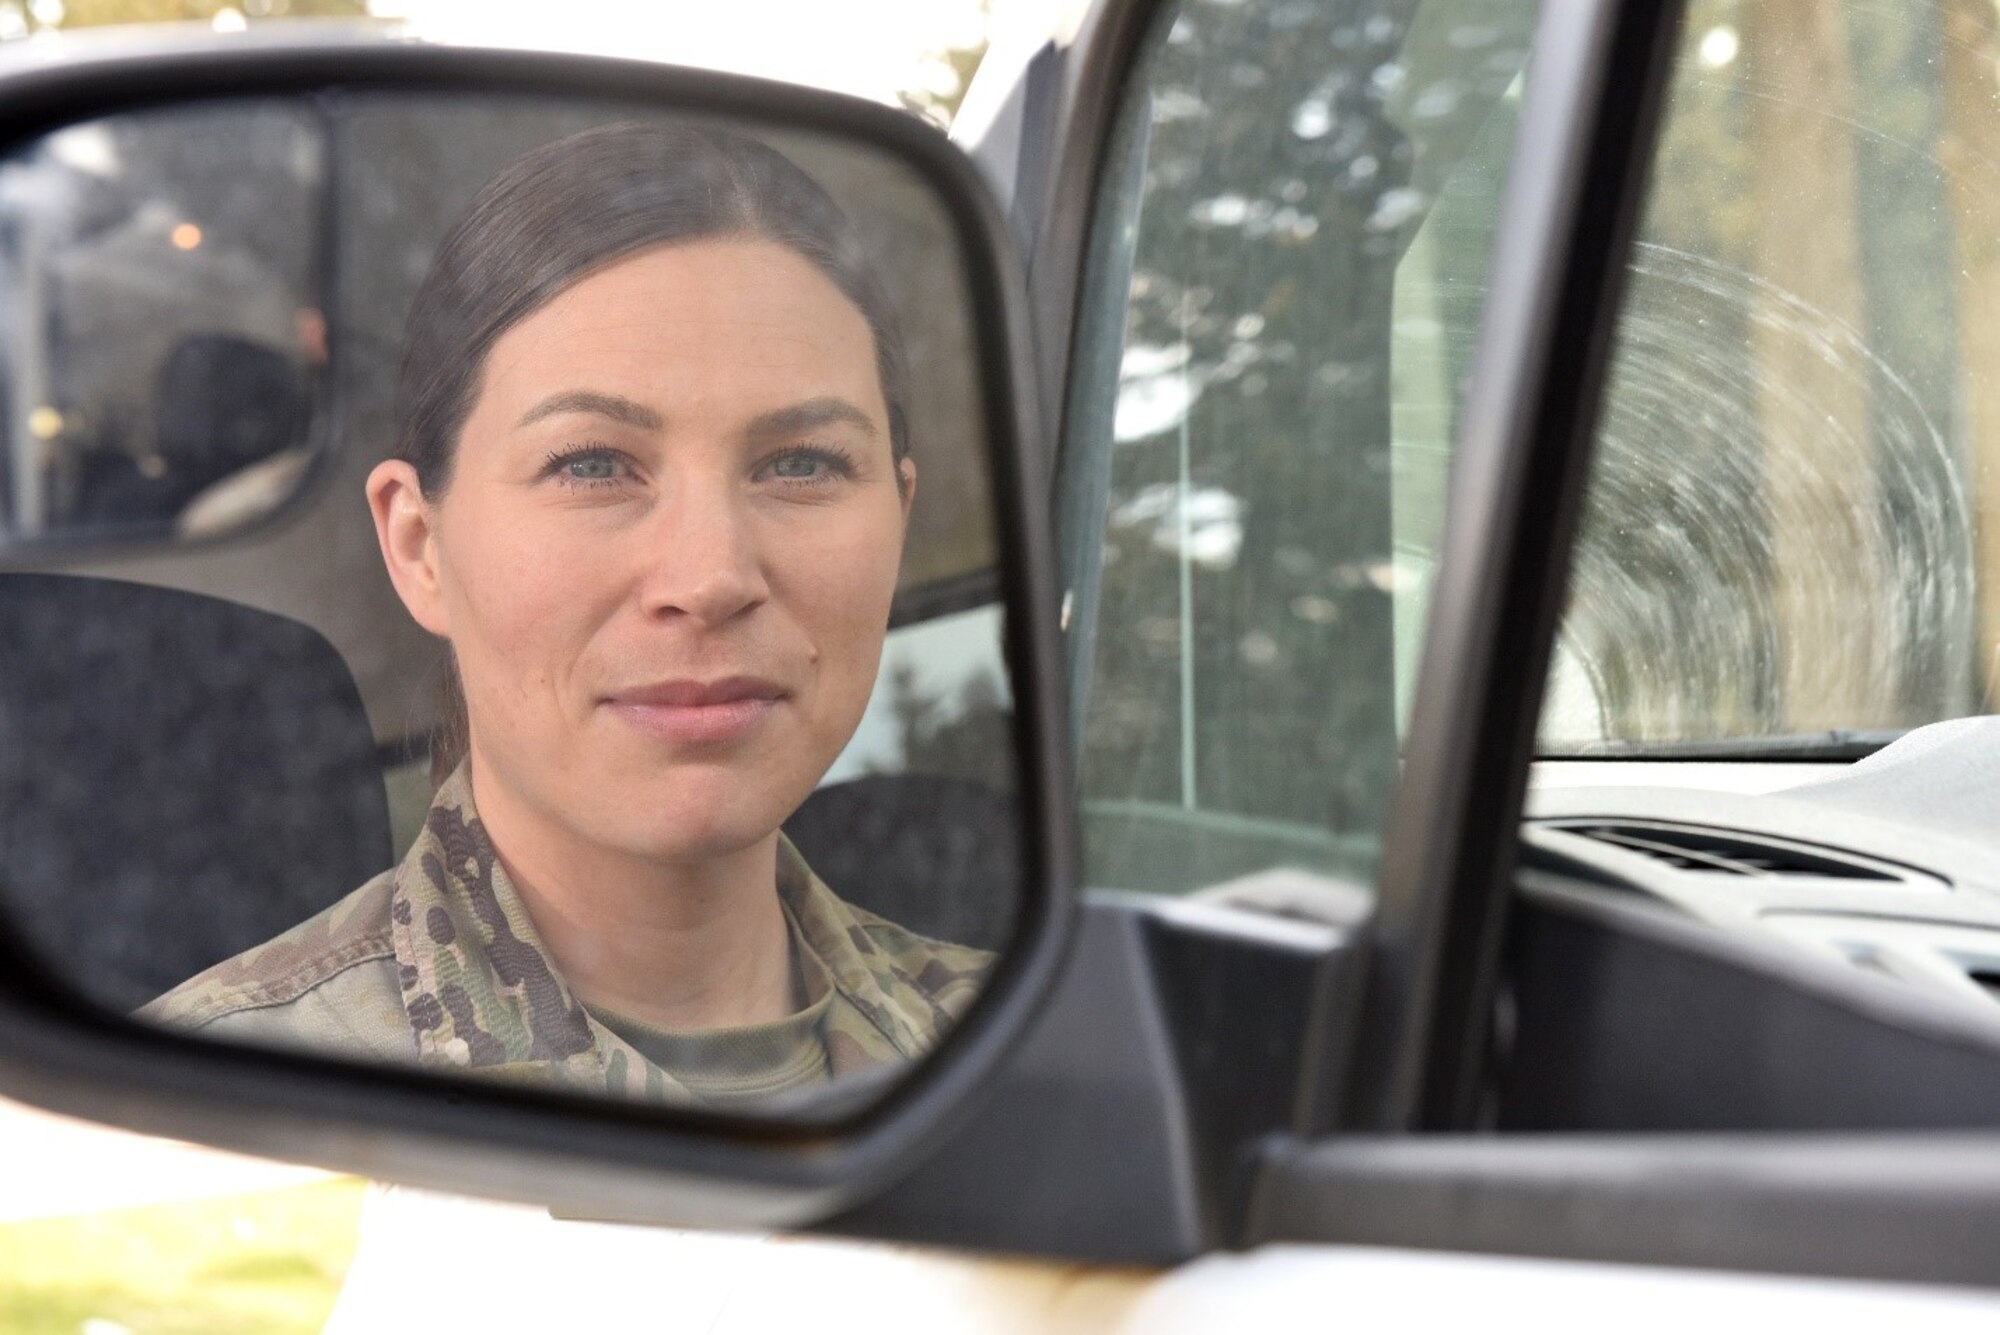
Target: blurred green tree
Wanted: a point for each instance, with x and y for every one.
(36, 15)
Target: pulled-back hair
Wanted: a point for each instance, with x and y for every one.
(574, 206)
(580, 203)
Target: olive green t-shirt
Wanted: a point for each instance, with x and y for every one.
(749, 1063)
(729, 1066)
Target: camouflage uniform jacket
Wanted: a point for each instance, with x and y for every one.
(436, 961)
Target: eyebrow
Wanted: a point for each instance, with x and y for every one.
(827, 410)
(614, 406)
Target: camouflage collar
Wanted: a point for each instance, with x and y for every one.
(482, 992)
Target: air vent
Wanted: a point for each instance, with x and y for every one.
(1723, 853)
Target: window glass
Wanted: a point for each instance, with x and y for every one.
(1283, 283)
(1789, 547)
(1784, 601)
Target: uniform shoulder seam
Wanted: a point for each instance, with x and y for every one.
(355, 930)
(291, 987)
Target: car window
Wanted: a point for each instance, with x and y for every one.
(1788, 546)
(1767, 696)
(1297, 208)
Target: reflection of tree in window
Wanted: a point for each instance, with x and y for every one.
(966, 736)
(1244, 639)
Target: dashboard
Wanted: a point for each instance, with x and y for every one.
(1890, 864)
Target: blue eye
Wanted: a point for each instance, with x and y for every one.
(585, 465)
(799, 464)
(591, 467)
(809, 465)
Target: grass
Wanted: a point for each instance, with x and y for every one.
(268, 1262)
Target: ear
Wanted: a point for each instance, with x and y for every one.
(404, 526)
(906, 483)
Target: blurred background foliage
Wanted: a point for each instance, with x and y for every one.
(263, 1264)
(21, 19)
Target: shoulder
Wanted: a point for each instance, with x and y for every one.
(330, 981)
(947, 975)
(926, 981)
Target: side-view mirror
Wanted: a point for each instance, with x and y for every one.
(526, 657)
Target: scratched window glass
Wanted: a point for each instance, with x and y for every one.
(1790, 543)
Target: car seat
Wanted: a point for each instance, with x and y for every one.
(220, 405)
(181, 778)
(938, 855)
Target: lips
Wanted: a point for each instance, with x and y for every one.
(698, 712)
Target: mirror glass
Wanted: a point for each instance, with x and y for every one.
(502, 584)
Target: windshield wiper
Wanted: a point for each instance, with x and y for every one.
(1832, 744)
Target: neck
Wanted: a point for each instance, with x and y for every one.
(675, 945)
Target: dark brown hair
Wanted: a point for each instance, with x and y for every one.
(574, 206)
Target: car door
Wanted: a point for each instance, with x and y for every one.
(1308, 268)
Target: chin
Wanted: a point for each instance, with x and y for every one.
(695, 821)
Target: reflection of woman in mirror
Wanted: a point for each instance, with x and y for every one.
(651, 486)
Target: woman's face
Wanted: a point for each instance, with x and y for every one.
(667, 551)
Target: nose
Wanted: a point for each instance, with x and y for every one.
(703, 557)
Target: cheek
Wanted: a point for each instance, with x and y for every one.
(518, 609)
(843, 584)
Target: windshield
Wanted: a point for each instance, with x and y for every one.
(1787, 547)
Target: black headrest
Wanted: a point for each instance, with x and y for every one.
(181, 778)
(222, 403)
(936, 854)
